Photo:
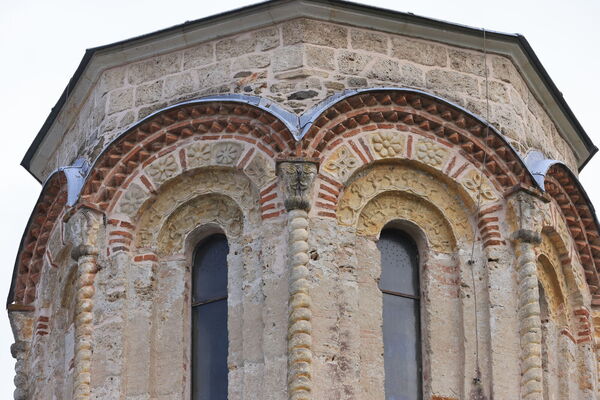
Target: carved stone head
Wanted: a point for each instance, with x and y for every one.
(297, 179)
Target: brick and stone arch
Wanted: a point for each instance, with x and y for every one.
(188, 136)
(182, 211)
(438, 214)
(578, 214)
(397, 125)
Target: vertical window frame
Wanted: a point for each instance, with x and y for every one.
(207, 236)
(398, 229)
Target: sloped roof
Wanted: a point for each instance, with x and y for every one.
(98, 59)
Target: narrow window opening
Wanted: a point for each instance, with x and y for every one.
(209, 320)
(399, 285)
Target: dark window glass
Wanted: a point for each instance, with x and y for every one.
(401, 315)
(209, 320)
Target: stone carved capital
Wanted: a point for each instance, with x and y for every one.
(297, 178)
(82, 231)
(526, 213)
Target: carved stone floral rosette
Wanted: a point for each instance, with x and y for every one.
(297, 179)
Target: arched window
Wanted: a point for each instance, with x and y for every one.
(401, 315)
(209, 320)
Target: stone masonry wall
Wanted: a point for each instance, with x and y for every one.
(298, 64)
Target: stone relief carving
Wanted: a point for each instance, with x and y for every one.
(391, 205)
(387, 144)
(430, 153)
(230, 183)
(163, 169)
(227, 153)
(260, 170)
(403, 178)
(133, 199)
(342, 163)
(198, 154)
(297, 181)
(216, 209)
(476, 184)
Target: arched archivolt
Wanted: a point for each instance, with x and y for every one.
(240, 135)
(389, 111)
(580, 221)
(385, 192)
(226, 197)
(60, 190)
(256, 167)
(554, 282)
(212, 209)
(389, 206)
(382, 126)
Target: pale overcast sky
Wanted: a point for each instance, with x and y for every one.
(42, 42)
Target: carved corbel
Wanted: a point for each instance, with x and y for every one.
(297, 179)
(84, 228)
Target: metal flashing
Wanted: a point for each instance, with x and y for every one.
(75, 176)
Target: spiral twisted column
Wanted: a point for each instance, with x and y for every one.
(530, 324)
(85, 226)
(297, 178)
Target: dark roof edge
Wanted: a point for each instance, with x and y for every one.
(405, 17)
(557, 94)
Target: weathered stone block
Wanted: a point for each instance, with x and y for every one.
(314, 32)
(234, 47)
(419, 51)
(288, 57)
(213, 75)
(453, 81)
(467, 61)
(198, 56)
(154, 68)
(252, 61)
(119, 100)
(353, 63)
(385, 70)
(320, 57)
(267, 39)
(368, 40)
(176, 85)
(148, 93)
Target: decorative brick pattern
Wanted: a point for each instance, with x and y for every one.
(158, 136)
(579, 217)
(425, 116)
(46, 213)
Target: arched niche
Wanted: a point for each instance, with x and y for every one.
(205, 211)
(440, 218)
(223, 196)
(383, 192)
(395, 206)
